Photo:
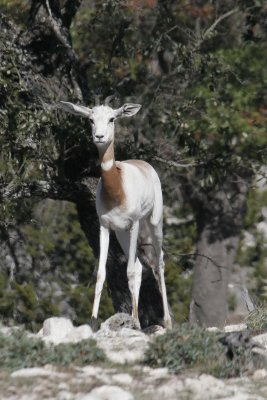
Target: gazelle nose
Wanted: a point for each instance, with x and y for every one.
(99, 136)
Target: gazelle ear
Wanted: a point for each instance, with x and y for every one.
(127, 110)
(75, 109)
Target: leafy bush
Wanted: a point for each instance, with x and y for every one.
(257, 319)
(193, 348)
(20, 351)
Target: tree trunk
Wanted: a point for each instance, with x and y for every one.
(219, 217)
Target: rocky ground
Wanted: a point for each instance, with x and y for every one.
(122, 377)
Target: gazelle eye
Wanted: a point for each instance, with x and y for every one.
(111, 120)
(91, 121)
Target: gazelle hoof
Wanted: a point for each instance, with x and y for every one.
(94, 324)
(168, 324)
(137, 325)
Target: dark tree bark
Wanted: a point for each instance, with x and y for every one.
(219, 218)
(53, 71)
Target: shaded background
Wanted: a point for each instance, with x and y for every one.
(198, 69)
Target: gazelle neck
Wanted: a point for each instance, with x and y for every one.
(112, 193)
(106, 157)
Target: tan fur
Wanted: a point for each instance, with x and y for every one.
(112, 193)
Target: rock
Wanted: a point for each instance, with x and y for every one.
(119, 321)
(120, 340)
(123, 346)
(123, 379)
(261, 340)
(82, 332)
(154, 330)
(58, 330)
(173, 389)
(248, 240)
(213, 329)
(235, 328)
(64, 395)
(206, 387)
(31, 372)
(260, 374)
(108, 392)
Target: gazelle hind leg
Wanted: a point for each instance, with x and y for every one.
(162, 287)
(156, 232)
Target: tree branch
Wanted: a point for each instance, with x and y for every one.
(217, 21)
(63, 190)
(175, 164)
(69, 11)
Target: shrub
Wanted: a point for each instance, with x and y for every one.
(20, 351)
(257, 319)
(193, 348)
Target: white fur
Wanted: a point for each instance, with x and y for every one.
(140, 212)
(107, 165)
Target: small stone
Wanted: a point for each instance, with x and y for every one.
(159, 373)
(119, 321)
(235, 328)
(206, 385)
(57, 327)
(64, 395)
(108, 392)
(123, 379)
(261, 340)
(213, 329)
(30, 372)
(171, 389)
(260, 374)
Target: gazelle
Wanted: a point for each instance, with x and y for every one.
(128, 201)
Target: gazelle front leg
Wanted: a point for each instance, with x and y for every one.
(101, 273)
(134, 280)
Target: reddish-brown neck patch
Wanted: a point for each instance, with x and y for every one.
(112, 192)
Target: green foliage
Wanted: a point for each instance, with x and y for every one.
(257, 319)
(17, 9)
(21, 351)
(179, 248)
(232, 302)
(178, 290)
(193, 348)
(203, 102)
(21, 302)
(255, 256)
(63, 242)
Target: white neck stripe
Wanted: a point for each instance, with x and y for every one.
(106, 165)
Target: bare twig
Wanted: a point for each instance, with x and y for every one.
(201, 255)
(217, 21)
(176, 164)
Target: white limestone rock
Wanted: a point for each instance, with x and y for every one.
(235, 328)
(58, 330)
(122, 379)
(260, 374)
(118, 321)
(123, 346)
(30, 372)
(108, 392)
(261, 340)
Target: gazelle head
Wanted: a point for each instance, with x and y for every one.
(101, 119)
